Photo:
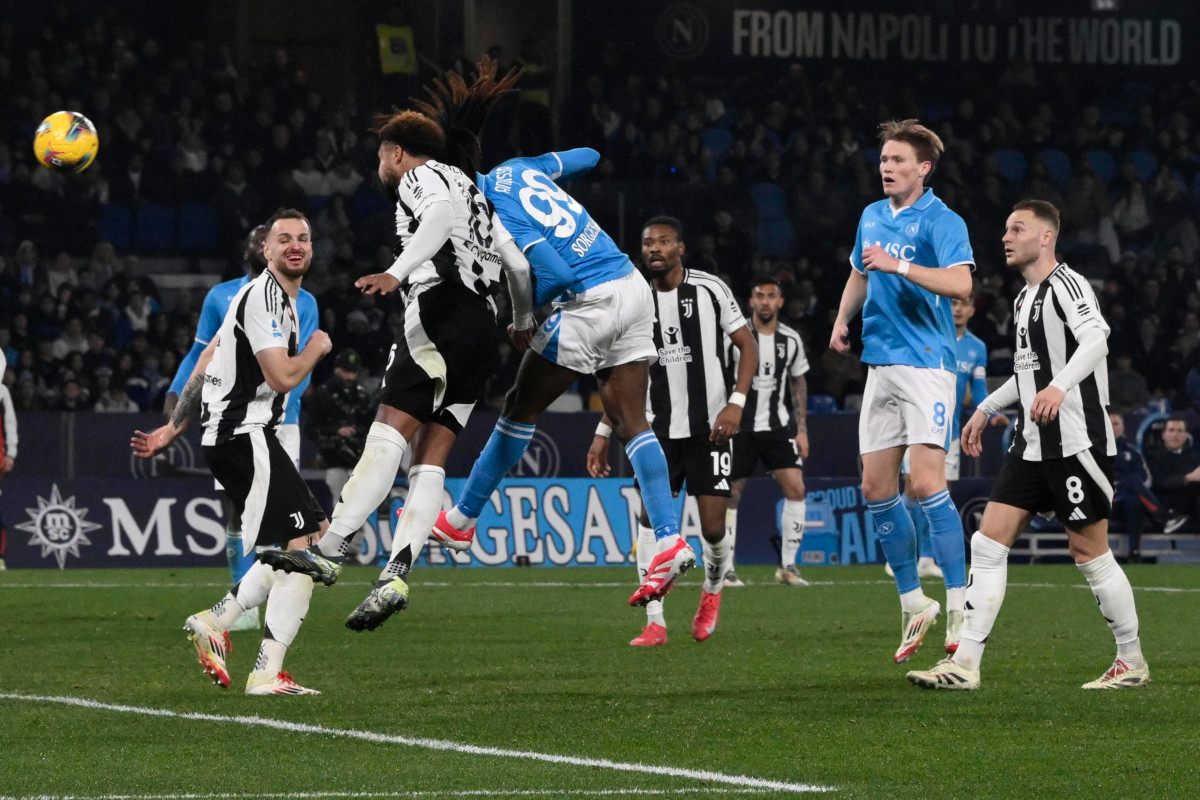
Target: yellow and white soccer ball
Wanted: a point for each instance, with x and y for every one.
(66, 142)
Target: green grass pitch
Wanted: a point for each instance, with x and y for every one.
(796, 687)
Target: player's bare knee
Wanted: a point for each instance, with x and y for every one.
(874, 491)
(919, 487)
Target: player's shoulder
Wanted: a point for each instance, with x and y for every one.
(972, 340)
(1062, 275)
(788, 332)
(872, 212)
(936, 209)
(708, 280)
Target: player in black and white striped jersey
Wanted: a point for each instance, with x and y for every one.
(243, 378)
(774, 427)
(693, 413)
(450, 252)
(1061, 458)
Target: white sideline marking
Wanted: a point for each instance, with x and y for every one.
(550, 585)
(414, 793)
(742, 781)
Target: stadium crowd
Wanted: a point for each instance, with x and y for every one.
(768, 173)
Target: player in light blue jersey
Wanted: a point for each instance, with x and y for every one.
(212, 314)
(602, 324)
(911, 256)
(971, 389)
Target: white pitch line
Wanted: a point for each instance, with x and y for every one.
(741, 781)
(552, 585)
(333, 795)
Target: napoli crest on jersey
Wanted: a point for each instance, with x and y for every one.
(911, 228)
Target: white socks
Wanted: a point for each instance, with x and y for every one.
(647, 549)
(715, 555)
(286, 608)
(731, 536)
(984, 596)
(791, 530)
(250, 592)
(1115, 596)
(369, 484)
(421, 508)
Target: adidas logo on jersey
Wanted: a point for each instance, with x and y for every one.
(724, 484)
(1077, 515)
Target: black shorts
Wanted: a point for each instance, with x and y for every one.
(706, 467)
(1078, 489)
(450, 345)
(775, 449)
(273, 502)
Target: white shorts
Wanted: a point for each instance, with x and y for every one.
(288, 434)
(601, 327)
(953, 461)
(905, 405)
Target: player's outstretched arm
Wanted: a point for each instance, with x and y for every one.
(435, 226)
(148, 445)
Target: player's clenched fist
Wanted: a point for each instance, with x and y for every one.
(321, 341)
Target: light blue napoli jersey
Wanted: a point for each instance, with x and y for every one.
(972, 371)
(566, 248)
(212, 314)
(903, 323)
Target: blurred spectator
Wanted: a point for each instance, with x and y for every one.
(1175, 475)
(1133, 502)
(1127, 390)
(339, 414)
(115, 400)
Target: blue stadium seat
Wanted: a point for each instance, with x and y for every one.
(114, 226)
(774, 224)
(367, 202)
(197, 227)
(718, 141)
(1104, 164)
(1058, 165)
(1011, 164)
(936, 110)
(822, 404)
(1146, 164)
(154, 228)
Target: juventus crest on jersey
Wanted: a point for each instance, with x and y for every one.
(236, 396)
(1049, 318)
(689, 384)
(781, 357)
(471, 255)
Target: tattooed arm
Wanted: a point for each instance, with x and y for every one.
(148, 445)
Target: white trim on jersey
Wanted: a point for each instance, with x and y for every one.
(1093, 469)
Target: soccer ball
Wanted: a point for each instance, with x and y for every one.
(66, 142)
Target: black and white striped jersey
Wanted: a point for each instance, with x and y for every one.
(1049, 318)
(236, 397)
(781, 357)
(471, 256)
(689, 384)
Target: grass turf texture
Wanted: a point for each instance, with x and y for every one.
(796, 685)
